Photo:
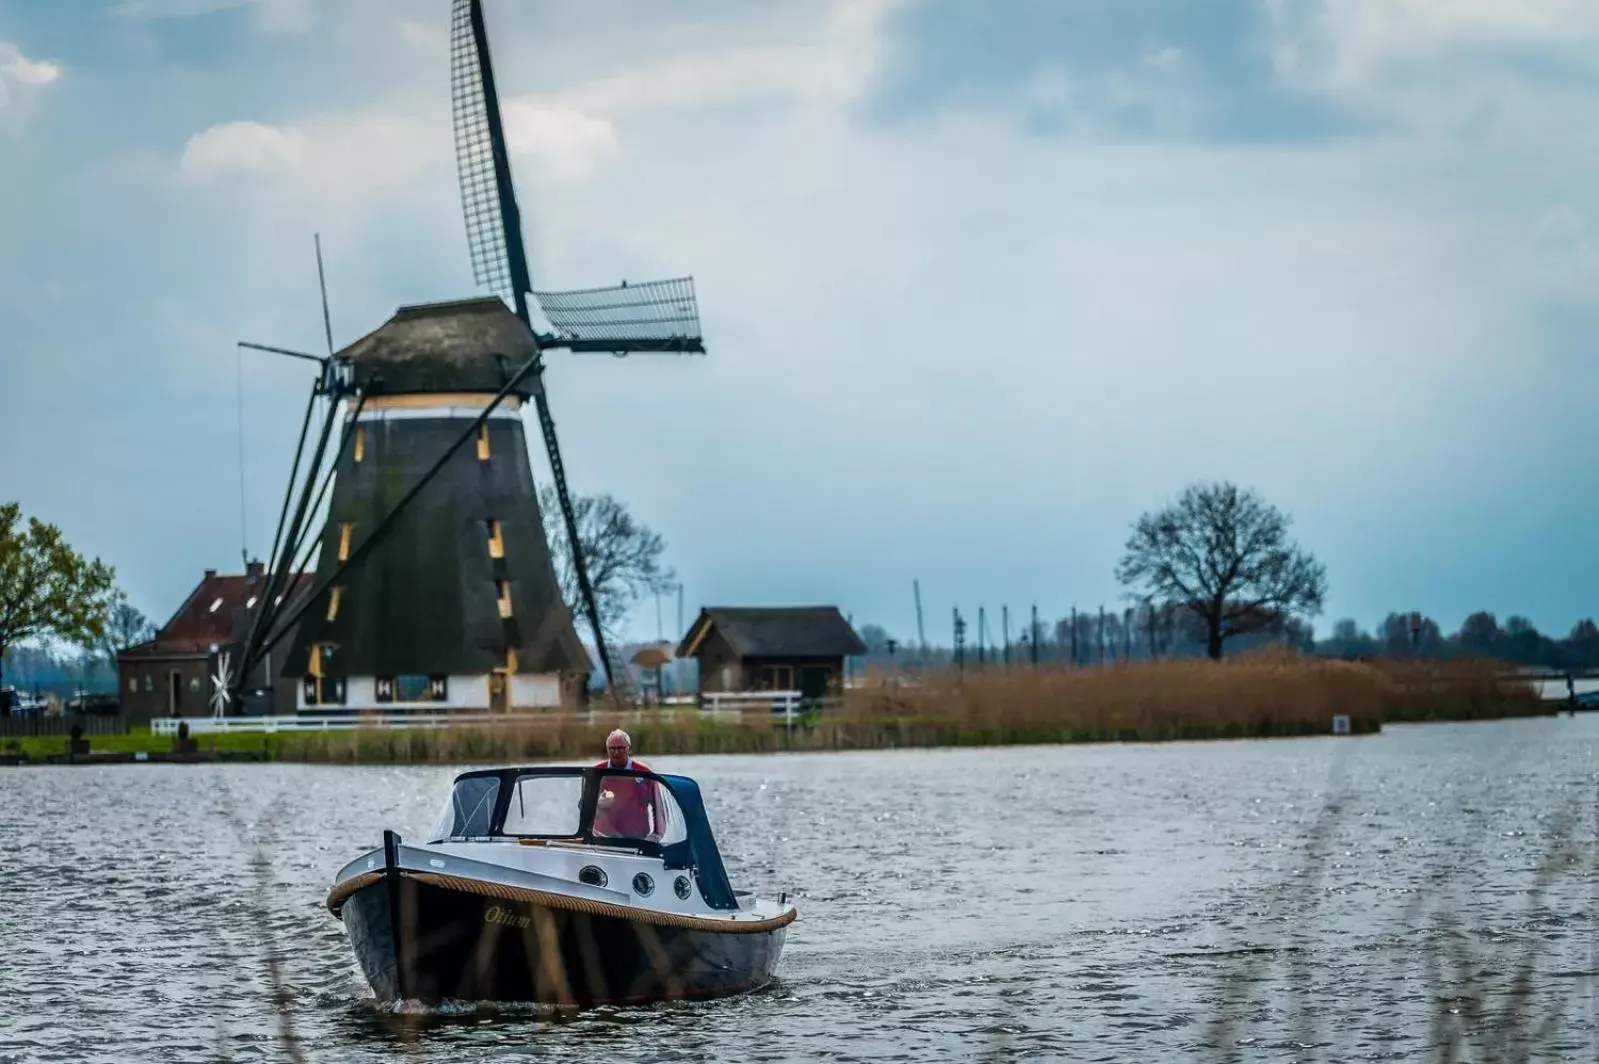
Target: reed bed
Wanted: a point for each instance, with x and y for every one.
(1252, 696)
(1454, 690)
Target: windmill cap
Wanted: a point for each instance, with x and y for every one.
(465, 345)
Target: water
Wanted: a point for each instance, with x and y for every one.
(1107, 903)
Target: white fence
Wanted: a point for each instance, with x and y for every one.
(783, 705)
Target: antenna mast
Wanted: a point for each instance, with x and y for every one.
(244, 525)
(921, 632)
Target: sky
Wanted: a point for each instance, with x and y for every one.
(980, 283)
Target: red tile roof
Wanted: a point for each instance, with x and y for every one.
(211, 614)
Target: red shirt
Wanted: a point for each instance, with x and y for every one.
(628, 814)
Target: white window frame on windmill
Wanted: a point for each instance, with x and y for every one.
(318, 688)
(417, 690)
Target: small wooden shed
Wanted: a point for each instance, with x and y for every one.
(783, 648)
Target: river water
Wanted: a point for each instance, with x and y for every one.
(1318, 899)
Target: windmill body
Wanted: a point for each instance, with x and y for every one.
(459, 606)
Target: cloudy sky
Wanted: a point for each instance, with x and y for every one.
(980, 281)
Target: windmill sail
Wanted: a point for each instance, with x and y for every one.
(657, 316)
(493, 224)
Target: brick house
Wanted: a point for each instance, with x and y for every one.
(170, 676)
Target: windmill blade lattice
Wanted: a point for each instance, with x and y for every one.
(492, 265)
(661, 316)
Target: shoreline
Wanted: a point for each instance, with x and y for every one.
(533, 743)
(1266, 696)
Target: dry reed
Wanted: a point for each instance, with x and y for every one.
(1251, 696)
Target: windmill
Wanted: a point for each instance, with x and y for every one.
(656, 317)
(414, 393)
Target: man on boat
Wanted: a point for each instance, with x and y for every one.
(628, 808)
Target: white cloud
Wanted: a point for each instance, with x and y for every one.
(574, 130)
(1342, 311)
(1421, 62)
(1560, 256)
(30, 72)
(428, 36)
(563, 141)
(271, 16)
(241, 148)
(18, 68)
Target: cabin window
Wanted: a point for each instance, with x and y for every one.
(544, 805)
(777, 677)
(638, 808)
(333, 601)
(344, 540)
(505, 598)
(496, 543)
(483, 442)
(360, 442)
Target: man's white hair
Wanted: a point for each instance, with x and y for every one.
(619, 734)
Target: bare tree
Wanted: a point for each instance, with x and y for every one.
(622, 555)
(1222, 554)
(125, 627)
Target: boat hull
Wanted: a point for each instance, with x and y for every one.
(423, 941)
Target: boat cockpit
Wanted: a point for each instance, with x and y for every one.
(647, 813)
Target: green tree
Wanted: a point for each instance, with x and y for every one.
(1221, 554)
(47, 590)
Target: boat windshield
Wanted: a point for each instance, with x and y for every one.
(469, 812)
(545, 805)
(609, 804)
(631, 806)
(650, 813)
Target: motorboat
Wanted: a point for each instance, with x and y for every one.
(561, 886)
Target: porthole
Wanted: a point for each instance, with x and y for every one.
(593, 875)
(643, 884)
(680, 884)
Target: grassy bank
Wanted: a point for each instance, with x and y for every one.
(1249, 697)
(139, 740)
(1260, 696)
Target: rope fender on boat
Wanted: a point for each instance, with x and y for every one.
(503, 892)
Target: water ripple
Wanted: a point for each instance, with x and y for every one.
(1297, 900)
